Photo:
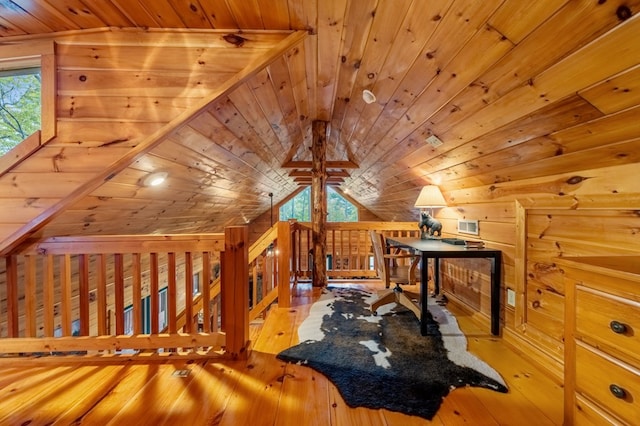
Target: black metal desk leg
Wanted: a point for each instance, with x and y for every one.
(436, 275)
(495, 293)
(424, 294)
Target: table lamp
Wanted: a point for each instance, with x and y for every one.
(430, 197)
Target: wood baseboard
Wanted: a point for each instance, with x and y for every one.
(516, 341)
(534, 354)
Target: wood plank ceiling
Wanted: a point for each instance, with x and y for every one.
(513, 89)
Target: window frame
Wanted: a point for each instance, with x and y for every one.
(33, 54)
(302, 189)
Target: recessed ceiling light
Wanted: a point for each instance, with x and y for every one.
(368, 96)
(155, 179)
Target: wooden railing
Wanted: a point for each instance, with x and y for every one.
(112, 294)
(270, 269)
(191, 295)
(349, 252)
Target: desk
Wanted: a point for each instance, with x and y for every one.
(436, 250)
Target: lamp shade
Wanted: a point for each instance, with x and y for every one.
(430, 197)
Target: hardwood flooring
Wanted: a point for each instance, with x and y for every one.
(258, 391)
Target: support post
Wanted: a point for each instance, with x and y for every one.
(284, 264)
(13, 327)
(235, 290)
(319, 202)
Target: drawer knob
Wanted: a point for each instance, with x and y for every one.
(617, 391)
(618, 327)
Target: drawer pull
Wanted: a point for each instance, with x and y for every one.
(617, 391)
(618, 327)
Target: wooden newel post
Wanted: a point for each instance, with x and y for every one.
(284, 264)
(234, 290)
(319, 202)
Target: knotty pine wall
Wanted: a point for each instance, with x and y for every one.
(533, 221)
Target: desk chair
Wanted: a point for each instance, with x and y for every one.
(389, 272)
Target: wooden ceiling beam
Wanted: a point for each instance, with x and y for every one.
(339, 173)
(330, 165)
(329, 181)
(307, 173)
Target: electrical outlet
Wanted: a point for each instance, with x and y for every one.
(511, 297)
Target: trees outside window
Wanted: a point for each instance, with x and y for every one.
(19, 106)
(299, 207)
(339, 209)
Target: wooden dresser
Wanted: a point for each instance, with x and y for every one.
(602, 340)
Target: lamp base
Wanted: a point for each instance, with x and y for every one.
(426, 236)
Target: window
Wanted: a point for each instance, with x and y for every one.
(196, 284)
(128, 320)
(20, 110)
(339, 209)
(25, 67)
(299, 207)
(163, 314)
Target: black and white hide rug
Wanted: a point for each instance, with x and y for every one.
(383, 361)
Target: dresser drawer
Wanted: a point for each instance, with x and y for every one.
(587, 413)
(596, 373)
(605, 319)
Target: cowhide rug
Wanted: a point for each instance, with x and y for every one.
(382, 361)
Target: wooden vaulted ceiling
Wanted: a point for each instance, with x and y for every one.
(222, 94)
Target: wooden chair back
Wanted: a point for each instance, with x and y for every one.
(388, 271)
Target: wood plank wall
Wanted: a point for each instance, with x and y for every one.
(533, 221)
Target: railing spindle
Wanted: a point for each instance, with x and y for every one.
(83, 277)
(65, 286)
(136, 284)
(171, 292)
(188, 292)
(47, 295)
(30, 296)
(118, 283)
(153, 293)
(206, 285)
(101, 290)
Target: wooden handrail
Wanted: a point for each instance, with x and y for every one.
(88, 281)
(349, 252)
(92, 280)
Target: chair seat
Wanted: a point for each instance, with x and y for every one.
(401, 274)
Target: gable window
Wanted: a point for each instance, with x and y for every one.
(339, 209)
(299, 207)
(20, 109)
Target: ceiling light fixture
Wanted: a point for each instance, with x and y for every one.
(368, 96)
(155, 179)
(434, 141)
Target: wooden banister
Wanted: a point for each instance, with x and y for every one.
(94, 287)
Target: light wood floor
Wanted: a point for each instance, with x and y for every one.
(258, 391)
